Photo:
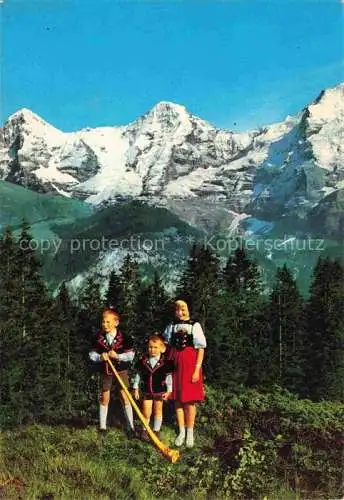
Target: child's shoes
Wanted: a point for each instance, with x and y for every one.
(180, 440)
(144, 436)
(189, 441)
(189, 437)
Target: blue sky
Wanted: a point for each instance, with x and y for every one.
(238, 64)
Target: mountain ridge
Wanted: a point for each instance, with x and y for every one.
(168, 153)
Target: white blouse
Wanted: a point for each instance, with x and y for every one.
(195, 330)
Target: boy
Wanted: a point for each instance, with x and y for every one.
(112, 344)
(154, 374)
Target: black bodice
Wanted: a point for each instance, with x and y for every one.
(182, 337)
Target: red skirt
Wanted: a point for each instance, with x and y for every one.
(184, 390)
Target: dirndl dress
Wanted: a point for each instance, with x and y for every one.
(184, 354)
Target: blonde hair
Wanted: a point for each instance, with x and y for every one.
(156, 339)
(108, 312)
(182, 303)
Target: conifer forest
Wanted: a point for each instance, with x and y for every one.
(273, 419)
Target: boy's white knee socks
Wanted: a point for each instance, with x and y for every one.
(157, 423)
(128, 411)
(103, 411)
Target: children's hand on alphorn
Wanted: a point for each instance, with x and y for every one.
(166, 395)
(136, 394)
(113, 354)
(195, 376)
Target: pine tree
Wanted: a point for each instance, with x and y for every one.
(113, 290)
(12, 362)
(200, 282)
(32, 287)
(90, 304)
(224, 364)
(128, 297)
(286, 307)
(71, 367)
(247, 326)
(154, 307)
(324, 346)
(200, 286)
(28, 349)
(241, 275)
(39, 343)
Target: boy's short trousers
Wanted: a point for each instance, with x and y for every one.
(110, 380)
(153, 397)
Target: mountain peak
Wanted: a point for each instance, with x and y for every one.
(169, 153)
(165, 115)
(25, 114)
(31, 122)
(326, 108)
(336, 92)
(169, 108)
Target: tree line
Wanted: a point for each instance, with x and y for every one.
(255, 339)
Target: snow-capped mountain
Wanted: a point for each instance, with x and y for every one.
(172, 158)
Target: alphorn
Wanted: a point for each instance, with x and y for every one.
(172, 455)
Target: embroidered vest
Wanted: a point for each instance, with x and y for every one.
(120, 344)
(182, 337)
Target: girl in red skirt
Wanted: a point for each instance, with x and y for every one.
(187, 342)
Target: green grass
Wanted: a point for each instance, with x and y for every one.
(66, 463)
(261, 446)
(59, 462)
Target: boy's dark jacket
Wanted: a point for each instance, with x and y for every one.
(153, 379)
(122, 343)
